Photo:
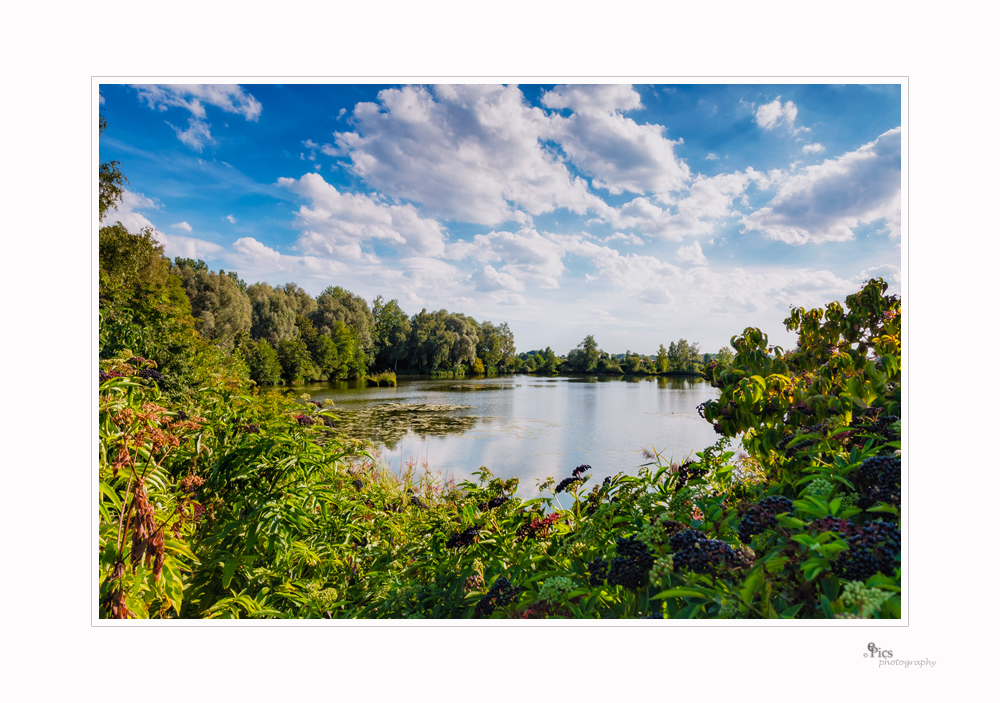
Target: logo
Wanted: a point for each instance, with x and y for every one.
(877, 653)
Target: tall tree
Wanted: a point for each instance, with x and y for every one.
(218, 301)
(336, 303)
(392, 327)
(272, 318)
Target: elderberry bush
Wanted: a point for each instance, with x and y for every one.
(694, 551)
(566, 483)
(598, 570)
(500, 594)
(762, 516)
(463, 538)
(877, 480)
(685, 473)
(632, 564)
(872, 548)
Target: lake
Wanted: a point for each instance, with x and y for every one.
(524, 426)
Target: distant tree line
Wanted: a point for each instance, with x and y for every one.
(681, 357)
(284, 334)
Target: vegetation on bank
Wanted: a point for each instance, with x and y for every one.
(219, 500)
(234, 503)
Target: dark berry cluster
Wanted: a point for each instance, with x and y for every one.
(577, 477)
(598, 571)
(328, 421)
(181, 415)
(566, 483)
(494, 502)
(652, 616)
(358, 484)
(251, 428)
(671, 527)
(877, 480)
(685, 473)
(107, 375)
(152, 374)
(305, 420)
(872, 548)
(463, 538)
(501, 593)
(693, 550)
(606, 481)
(629, 568)
(762, 516)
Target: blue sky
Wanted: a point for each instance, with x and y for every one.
(637, 213)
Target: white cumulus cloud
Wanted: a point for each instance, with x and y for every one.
(619, 153)
(340, 224)
(827, 201)
(774, 113)
(182, 225)
(465, 152)
(692, 254)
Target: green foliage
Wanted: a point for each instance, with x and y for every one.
(219, 302)
(218, 500)
(261, 360)
(386, 378)
(296, 362)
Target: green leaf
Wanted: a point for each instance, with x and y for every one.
(228, 570)
(679, 593)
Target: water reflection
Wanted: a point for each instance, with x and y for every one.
(523, 426)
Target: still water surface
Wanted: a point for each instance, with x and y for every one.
(523, 426)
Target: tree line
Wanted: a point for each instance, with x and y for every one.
(283, 333)
(681, 357)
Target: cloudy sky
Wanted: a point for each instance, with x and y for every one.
(638, 213)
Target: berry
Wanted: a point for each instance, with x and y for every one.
(878, 481)
(762, 516)
(872, 548)
(566, 483)
(501, 593)
(149, 373)
(463, 538)
(598, 571)
(685, 473)
(694, 551)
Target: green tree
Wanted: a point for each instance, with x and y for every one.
(219, 301)
(261, 360)
(336, 303)
(662, 362)
(296, 362)
(272, 317)
(392, 327)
